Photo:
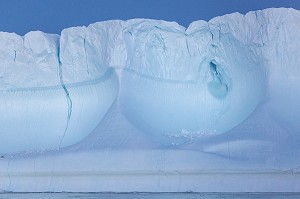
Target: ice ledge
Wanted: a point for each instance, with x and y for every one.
(158, 182)
(154, 48)
(143, 171)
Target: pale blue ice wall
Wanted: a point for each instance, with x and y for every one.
(173, 82)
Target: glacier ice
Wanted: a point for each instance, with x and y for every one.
(218, 95)
(209, 77)
(28, 61)
(36, 118)
(204, 81)
(87, 52)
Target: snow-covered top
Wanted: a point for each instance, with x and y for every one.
(154, 48)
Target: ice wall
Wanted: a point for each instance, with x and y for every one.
(171, 81)
(198, 80)
(43, 106)
(28, 61)
(272, 34)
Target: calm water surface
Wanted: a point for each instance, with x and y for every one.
(151, 195)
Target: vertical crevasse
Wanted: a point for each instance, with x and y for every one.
(68, 98)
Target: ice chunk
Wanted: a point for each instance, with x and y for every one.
(29, 61)
(87, 52)
(159, 49)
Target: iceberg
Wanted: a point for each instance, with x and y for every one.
(149, 105)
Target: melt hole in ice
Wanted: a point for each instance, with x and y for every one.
(217, 87)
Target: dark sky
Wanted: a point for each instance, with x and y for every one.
(52, 16)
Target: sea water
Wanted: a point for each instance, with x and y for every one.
(150, 195)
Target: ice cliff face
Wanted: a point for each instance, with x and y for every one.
(207, 78)
(28, 61)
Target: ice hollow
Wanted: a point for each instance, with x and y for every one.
(227, 86)
(167, 79)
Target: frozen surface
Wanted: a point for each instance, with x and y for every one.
(152, 195)
(164, 107)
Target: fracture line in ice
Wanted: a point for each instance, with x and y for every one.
(68, 98)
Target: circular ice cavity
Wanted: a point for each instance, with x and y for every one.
(229, 89)
(37, 118)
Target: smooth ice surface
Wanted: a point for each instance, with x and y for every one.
(37, 118)
(154, 102)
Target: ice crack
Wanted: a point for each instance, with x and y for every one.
(15, 55)
(68, 98)
(86, 59)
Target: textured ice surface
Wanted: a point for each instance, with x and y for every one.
(87, 52)
(154, 96)
(207, 78)
(28, 61)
